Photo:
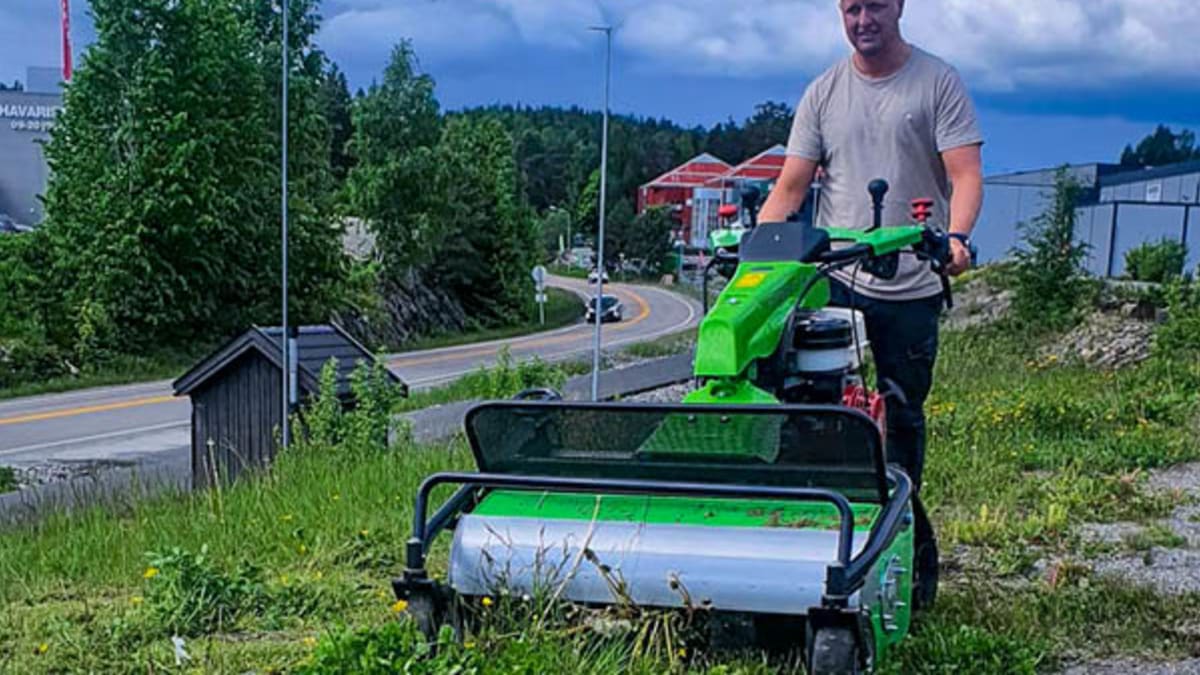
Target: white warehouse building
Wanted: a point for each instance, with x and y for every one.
(1122, 209)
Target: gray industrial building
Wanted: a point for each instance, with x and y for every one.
(1122, 209)
(25, 121)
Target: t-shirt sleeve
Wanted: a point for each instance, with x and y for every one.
(957, 124)
(805, 140)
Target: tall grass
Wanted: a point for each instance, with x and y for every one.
(292, 566)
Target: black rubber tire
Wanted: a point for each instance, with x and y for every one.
(834, 651)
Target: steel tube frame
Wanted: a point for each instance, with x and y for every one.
(843, 577)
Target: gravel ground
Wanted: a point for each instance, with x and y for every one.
(1168, 570)
(672, 394)
(1132, 667)
(54, 472)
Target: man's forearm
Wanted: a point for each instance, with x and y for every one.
(781, 204)
(965, 202)
(790, 190)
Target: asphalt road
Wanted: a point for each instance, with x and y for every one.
(131, 423)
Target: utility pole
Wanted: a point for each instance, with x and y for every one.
(284, 336)
(66, 40)
(607, 30)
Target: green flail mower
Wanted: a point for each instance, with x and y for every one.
(765, 500)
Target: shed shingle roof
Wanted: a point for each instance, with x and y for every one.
(315, 346)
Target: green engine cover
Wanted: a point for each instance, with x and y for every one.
(749, 318)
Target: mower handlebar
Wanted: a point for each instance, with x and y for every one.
(846, 254)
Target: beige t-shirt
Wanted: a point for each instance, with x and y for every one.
(859, 129)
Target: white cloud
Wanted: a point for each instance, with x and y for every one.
(998, 44)
(446, 30)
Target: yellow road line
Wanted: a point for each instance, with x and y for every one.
(71, 412)
(643, 314)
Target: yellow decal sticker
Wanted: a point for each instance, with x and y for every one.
(751, 280)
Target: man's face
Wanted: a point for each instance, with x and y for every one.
(871, 25)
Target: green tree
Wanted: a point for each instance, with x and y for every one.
(1049, 275)
(770, 125)
(587, 206)
(336, 94)
(156, 181)
(317, 269)
(645, 239)
(395, 184)
(162, 216)
(490, 241)
(1160, 148)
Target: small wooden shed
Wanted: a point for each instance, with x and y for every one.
(237, 395)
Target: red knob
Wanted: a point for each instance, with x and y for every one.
(922, 209)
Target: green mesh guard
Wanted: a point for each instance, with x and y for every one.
(777, 445)
(715, 436)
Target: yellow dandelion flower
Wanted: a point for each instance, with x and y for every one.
(302, 549)
(487, 602)
(399, 606)
(310, 642)
(137, 600)
(150, 573)
(364, 533)
(682, 653)
(469, 645)
(43, 648)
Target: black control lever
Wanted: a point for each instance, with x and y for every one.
(878, 188)
(751, 197)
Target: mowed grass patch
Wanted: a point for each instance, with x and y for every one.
(1022, 449)
(983, 628)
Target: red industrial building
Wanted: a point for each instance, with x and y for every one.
(696, 189)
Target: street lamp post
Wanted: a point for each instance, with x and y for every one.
(607, 30)
(283, 333)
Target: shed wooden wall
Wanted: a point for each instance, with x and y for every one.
(239, 412)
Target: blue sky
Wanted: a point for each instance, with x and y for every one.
(1054, 80)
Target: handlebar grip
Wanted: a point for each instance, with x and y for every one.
(844, 254)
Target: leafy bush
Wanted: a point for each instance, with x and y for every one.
(29, 359)
(1158, 262)
(367, 423)
(189, 594)
(1048, 278)
(8, 479)
(1181, 331)
(395, 647)
(506, 379)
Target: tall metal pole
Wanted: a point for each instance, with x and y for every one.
(283, 333)
(66, 41)
(607, 30)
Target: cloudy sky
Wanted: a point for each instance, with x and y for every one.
(1055, 80)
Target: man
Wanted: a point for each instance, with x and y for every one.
(895, 112)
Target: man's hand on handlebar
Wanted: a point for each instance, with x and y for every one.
(960, 260)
